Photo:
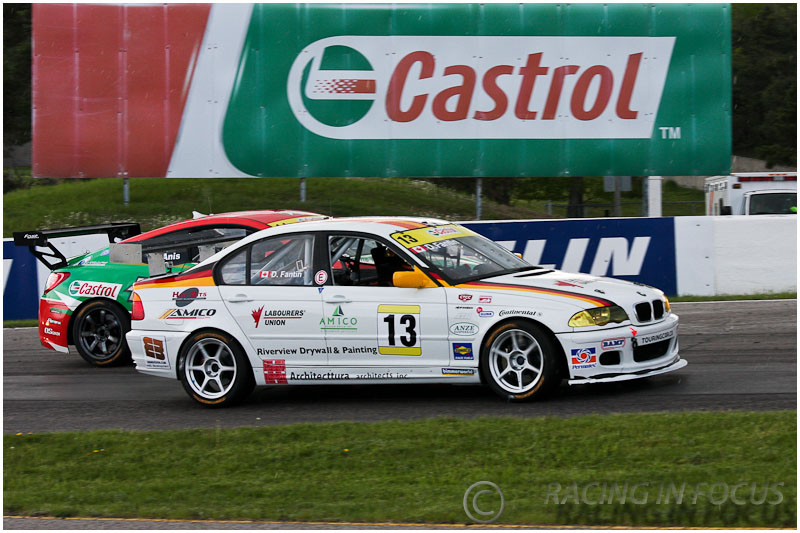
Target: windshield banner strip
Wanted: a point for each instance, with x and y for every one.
(422, 236)
(599, 302)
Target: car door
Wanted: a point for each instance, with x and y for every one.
(269, 290)
(369, 322)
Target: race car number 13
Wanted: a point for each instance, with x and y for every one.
(398, 330)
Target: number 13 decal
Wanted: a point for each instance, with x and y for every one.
(398, 330)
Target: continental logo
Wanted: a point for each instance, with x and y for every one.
(467, 87)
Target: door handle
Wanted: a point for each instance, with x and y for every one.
(236, 298)
(337, 299)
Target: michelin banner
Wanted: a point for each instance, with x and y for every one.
(634, 249)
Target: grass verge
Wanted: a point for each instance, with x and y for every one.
(730, 297)
(158, 202)
(30, 323)
(418, 471)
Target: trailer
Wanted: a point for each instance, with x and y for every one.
(752, 193)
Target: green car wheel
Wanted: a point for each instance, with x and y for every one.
(99, 330)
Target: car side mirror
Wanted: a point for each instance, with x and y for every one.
(415, 279)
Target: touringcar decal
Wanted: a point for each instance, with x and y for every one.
(484, 285)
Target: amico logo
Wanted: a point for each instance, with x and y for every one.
(479, 87)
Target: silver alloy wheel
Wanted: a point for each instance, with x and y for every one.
(100, 334)
(516, 361)
(210, 368)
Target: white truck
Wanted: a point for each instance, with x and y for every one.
(752, 193)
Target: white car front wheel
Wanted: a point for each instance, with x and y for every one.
(518, 361)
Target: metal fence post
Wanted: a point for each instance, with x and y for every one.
(478, 199)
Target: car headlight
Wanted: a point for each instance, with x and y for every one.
(666, 304)
(599, 316)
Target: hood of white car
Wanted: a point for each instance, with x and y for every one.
(583, 289)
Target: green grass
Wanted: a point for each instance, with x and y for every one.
(414, 471)
(732, 297)
(31, 323)
(157, 202)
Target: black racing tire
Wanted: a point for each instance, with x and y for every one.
(98, 331)
(214, 370)
(519, 361)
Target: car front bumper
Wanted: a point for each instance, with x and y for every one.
(622, 353)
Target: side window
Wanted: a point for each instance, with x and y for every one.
(363, 262)
(195, 244)
(234, 270)
(284, 260)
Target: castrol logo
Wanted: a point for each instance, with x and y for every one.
(94, 288)
(455, 87)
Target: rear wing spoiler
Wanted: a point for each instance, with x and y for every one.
(53, 258)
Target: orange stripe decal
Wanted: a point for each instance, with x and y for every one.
(207, 281)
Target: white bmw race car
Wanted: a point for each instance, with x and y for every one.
(392, 300)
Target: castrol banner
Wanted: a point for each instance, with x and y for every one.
(303, 90)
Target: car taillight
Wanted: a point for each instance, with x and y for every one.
(54, 279)
(138, 308)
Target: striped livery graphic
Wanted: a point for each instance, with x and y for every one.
(482, 285)
(202, 278)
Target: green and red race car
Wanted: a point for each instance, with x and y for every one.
(87, 299)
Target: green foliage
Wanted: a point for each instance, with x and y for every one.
(412, 471)
(16, 74)
(764, 41)
(157, 202)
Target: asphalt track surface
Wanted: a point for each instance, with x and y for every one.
(742, 356)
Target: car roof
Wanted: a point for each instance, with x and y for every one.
(256, 219)
(381, 226)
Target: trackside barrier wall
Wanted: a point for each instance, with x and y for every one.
(24, 277)
(702, 255)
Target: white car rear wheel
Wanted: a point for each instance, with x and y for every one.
(214, 370)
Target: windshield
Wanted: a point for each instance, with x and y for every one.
(778, 203)
(458, 253)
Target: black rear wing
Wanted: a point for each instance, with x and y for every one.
(54, 259)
